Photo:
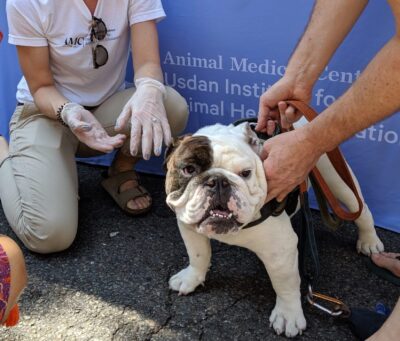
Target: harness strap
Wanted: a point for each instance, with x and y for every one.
(307, 246)
(338, 162)
(275, 208)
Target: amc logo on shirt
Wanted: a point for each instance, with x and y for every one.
(75, 41)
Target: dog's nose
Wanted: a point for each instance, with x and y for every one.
(217, 183)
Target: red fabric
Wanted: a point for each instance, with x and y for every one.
(13, 317)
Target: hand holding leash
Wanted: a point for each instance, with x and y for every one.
(273, 108)
(146, 112)
(88, 129)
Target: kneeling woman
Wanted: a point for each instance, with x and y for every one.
(72, 101)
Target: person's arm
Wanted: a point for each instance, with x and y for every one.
(35, 65)
(329, 24)
(145, 51)
(145, 110)
(374, 96)
(371, 98)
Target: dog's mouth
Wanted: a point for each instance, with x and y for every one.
(218, 220)
(220, 214)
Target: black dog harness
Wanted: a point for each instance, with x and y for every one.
(275, 208)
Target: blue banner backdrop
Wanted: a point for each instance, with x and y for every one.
(222, 55)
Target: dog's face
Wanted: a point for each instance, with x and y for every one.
(215, 180)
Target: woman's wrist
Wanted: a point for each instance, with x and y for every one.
(67, 109)
(59, 114)
(150, 82)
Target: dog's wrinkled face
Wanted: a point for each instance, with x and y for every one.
(215, 180)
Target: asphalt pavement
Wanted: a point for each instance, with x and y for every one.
(112, 284)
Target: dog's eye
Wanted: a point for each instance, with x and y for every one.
(188, 170)
(245, 174)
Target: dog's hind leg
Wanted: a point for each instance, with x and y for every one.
(198, 248)
(368, 242)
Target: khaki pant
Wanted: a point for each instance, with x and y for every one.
(39, 183)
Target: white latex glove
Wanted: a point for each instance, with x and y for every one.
(149, 124)
(88, 130)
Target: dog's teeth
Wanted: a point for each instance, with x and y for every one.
(220, 215)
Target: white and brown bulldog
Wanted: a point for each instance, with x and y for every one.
(216, 185)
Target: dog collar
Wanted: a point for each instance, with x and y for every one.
(275, 208)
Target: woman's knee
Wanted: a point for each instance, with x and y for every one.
(48, 235)
(177, 111)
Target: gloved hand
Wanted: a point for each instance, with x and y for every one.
(146, 112)
(88, 130)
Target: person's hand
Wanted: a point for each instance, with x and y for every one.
(288, 159)
(273, 108)
(88, 130)
(149, 123)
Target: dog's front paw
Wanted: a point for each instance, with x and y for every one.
(287, 319)
(186, 280)
(369, 242)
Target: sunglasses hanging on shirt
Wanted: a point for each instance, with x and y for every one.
(98, 32)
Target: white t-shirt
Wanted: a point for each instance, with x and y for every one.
(64, 26)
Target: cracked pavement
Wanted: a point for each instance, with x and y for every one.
(112, 284)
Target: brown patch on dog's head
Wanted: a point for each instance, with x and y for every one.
(186, 153)
(171, 148)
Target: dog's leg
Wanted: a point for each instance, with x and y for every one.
(368, 241)
(199, 250)
(275, 243)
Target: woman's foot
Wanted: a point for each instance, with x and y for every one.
(122, 163)
(3, 148)
(388, 260)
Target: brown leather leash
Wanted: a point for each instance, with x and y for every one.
(307, 243)
(363, 322)
(340, 165)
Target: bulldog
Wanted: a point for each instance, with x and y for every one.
(215, 184)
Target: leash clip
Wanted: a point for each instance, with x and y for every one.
(338, 307)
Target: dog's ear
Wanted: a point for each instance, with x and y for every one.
(250, 136)
(171, 148)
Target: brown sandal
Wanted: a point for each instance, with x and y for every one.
(112, 185)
